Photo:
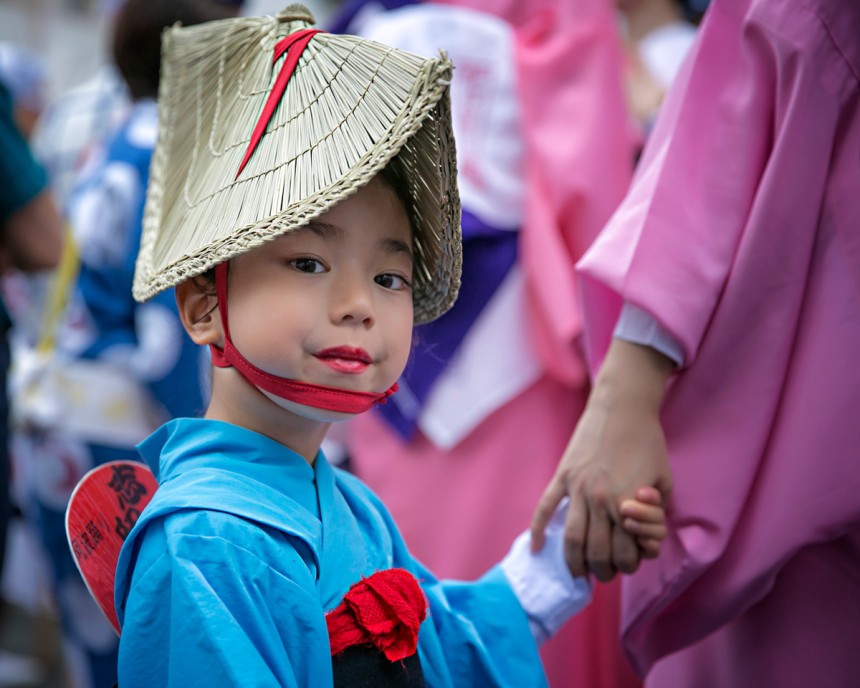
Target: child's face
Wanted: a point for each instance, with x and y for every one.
(331, 303)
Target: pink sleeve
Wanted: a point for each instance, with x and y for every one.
(669, 247)
(739, 235)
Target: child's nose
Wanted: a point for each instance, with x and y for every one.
(352, 301)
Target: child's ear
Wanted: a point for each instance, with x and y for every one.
(198, 309)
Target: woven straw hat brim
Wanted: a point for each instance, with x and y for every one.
(352, 107)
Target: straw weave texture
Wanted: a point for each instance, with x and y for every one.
(351, 107)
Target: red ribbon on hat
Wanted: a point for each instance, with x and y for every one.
(294, 45)
(385, 609)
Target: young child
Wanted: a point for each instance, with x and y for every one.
(305, 242)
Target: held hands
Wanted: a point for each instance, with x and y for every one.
(617, 447)
(645, 520)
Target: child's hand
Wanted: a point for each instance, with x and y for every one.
(645, 519)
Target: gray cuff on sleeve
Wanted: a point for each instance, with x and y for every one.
(640, 327)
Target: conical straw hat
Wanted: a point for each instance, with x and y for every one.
(351, 107)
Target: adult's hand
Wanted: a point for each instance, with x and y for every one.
(617, 447)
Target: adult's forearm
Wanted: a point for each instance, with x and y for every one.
(33, 236)
(632, 374)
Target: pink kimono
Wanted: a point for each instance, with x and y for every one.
(741, 236)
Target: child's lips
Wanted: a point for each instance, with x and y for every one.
(345, 359)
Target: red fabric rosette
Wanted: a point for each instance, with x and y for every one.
(385, 610)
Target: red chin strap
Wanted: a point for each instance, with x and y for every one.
(305, 393)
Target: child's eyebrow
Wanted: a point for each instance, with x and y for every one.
(396, 246)
(323, 229)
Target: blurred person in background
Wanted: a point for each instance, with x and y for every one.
(461, 453)
(67, 135)
(31, 239)
(128, 366)
(659, 34)
(23, 73)
(75, 125)
(79, 122)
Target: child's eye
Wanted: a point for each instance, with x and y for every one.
(311, 265)
(394, 282)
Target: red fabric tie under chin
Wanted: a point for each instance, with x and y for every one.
(305, 393)
(385, 609)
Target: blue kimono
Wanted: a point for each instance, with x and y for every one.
(226, 577)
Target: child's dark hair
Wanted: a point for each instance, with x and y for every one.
(136, 43)
(393, 177)
(693, 10)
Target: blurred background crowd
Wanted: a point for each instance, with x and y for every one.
(550, 119)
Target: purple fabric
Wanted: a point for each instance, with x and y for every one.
(488, 254)
(350, 8)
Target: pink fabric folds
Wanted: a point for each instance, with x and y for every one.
(569, 68)
(741, 235)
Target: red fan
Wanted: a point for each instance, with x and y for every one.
(102, 510)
